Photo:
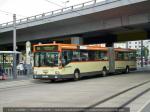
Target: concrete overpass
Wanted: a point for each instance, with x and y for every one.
(94, 21)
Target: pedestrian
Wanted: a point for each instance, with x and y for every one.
(2, 74)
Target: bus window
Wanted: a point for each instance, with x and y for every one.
(46, 59)
(37, 59)
(91, 55)
(119, 56)
(42, 59)
(51, 59)
(97, 55)
(103, 55)
(126, 56)
(132, 56)
(76, 56)
(84, 56)
(67, 56)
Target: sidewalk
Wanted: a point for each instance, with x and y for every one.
(146, 68)
(10, 83)
(20, 77)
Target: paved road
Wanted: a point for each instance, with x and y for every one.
(146, 108)
(83, 93)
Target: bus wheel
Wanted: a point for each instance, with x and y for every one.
(104, 72)
(76, 75)
(127, 69)
(52, 80)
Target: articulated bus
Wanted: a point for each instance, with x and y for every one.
(62, 61)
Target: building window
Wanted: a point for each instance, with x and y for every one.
(135, 42)
(135, 46)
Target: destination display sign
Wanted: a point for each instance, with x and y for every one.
(46, 48)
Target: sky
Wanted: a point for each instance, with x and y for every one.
(26, 8)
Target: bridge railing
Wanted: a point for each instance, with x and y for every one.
(56, 12)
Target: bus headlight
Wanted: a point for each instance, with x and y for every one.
(56, 77)
(57, 72)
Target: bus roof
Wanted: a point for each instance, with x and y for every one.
(124, 49)
(84, 47)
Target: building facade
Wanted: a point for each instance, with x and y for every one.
(137, 45)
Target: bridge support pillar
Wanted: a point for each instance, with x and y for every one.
(111, 57)
(76, 40)
(28, 52)
(28, 58)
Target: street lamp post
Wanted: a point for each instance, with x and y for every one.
(14, 47)
(141, 53)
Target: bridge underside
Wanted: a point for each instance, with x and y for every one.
(96, 37)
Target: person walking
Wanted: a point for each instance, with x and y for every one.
(2, 74)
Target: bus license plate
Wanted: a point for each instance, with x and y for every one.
(44, 76)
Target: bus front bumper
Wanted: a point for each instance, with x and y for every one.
(68, 76)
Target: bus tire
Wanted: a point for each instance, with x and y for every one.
(52, 80)
(104, 72)
(127, 69)
(76, 75)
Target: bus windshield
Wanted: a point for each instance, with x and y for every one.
(49, 59)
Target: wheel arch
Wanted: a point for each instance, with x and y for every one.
(77, 70)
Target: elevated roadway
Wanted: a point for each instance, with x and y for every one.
(94, 21)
